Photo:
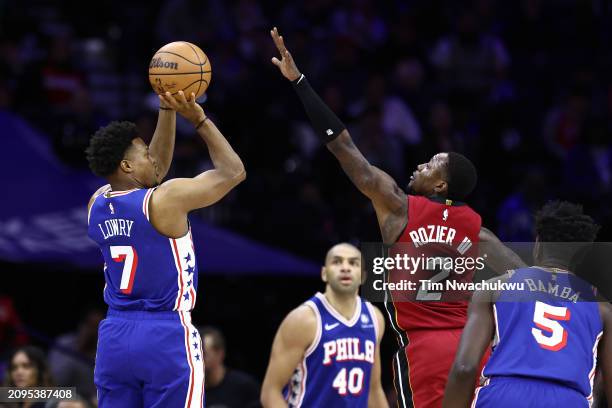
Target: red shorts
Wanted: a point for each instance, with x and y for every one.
(421, 369)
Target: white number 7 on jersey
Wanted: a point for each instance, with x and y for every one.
(126, 254)
(545, 317)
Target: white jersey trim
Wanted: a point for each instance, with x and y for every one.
(180, 247)
(91, 207)
(117, 193)
(317, 339)
(475, 397)
(497, 338)
(195, 392)
(303, 383)
(145, 203)
(593, 369)
(94, 201)
(398, 371)
(338, 316)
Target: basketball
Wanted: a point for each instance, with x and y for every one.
(180, 66)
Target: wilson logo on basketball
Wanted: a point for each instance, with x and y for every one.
(160, 63)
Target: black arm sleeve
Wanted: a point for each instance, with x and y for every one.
(326, 124)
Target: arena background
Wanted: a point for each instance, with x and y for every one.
(523, 88)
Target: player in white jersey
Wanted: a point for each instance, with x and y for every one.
(326, 353)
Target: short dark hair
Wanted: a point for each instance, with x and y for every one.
(217, 337)
(562, 221)
(108, 145)
(461, 176)
(37, 359)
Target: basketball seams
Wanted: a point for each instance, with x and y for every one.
(198, 57)
(187, 87)
(181, 73)
(177, 55)
(177, 79)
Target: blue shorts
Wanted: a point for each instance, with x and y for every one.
(512, 392)
(149, 360)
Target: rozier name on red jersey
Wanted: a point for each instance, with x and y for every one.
(440, 234)
(437, 227)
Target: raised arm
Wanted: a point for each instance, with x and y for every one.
(162, 143)
(389, 200)
(294, 336)
(498, 257)
(175, 198)
(374, 183)
(476, 337)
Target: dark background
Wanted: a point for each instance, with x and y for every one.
(523, 88)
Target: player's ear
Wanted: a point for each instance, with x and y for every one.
(323, 274)
(441, 187)
(126, 166)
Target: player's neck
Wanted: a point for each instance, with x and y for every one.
(553, 263)
(122, 184)
(344, 304)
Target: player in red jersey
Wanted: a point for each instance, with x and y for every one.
(428, 333)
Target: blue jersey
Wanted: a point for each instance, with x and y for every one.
(335, 371)
(143, 269)
(548, 331)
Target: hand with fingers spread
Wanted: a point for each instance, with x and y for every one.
(286, 64)
(189, 109)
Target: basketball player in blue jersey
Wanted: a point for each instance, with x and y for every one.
(547, 337)
(149, 354)
(326, 353)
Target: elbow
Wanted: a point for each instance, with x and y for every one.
(240, 175)
(236, 175)
(463, 370)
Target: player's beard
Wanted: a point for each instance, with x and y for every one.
(339, 288)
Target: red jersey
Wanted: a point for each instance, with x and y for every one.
(439, 232)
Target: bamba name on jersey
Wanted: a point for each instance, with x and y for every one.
(348, 349)
(116, 226)
(565, 292)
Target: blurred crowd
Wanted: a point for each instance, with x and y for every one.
(28, 359)
(523, 88)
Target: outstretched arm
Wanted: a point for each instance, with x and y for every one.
(498, 256)
(388, 199)
(374, 183)
(475, 339)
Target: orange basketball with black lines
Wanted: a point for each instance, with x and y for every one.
(180, 66)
